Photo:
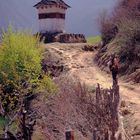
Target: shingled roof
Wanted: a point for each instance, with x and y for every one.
(52, 2)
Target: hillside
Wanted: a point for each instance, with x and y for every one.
(76, 101)
(121, 36)
(65, 109)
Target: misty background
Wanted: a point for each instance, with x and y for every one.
(80, 18)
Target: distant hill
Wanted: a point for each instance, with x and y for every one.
(80, 20)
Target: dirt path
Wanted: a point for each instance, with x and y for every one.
(80, 64)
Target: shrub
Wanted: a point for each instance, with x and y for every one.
(125, 41)
(20, 68)
(110, 24)
(108, 28)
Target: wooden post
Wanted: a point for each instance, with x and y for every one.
(107, 100)
(69, 135)
(95, 134)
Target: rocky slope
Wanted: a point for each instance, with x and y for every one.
(79, 64)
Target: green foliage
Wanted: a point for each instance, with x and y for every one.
(2, 124)
(91, 89)
(20, 58)
(94, 39)
(48, 84)
(20, 68)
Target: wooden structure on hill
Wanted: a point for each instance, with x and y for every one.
(51, 16)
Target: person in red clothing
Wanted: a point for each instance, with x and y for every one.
(114, 68)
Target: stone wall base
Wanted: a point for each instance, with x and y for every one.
(62, 38)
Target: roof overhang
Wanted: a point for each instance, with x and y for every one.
(52, 2)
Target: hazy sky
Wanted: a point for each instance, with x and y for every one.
(81, 18)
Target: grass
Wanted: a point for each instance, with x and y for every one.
(91, 89)
(93, 39)
(2, 124)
